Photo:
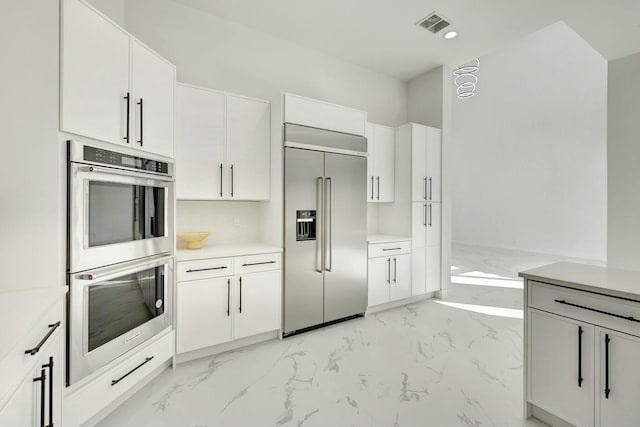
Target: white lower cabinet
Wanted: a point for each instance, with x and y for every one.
(227, 299)
(389, 272)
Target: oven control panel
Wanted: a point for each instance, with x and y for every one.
(113, 158)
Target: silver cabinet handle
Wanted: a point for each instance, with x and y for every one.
(395, 270)
(378, 188)
(389, 270)
(424, 188)
(319, 224)
(328, 219)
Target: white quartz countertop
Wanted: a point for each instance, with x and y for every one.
(386, 238)
(222, 251)
(20, 310)
(610, 281)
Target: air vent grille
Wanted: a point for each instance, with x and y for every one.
(434, 22)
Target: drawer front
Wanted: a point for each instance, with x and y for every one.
(253, 263)
(86, 401)
(609, 312)
(389, 249)
(204, 269)
(17, 362)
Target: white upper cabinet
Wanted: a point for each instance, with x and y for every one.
(248, 148)
(380, 163)
(323, 115)
(434, 164)
(200, 143)
(223, 146)
(153, 82)
(113, 88)
(426, 166)
(94, 74)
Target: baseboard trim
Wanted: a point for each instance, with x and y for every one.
(224, 347)
(548, 418)
(399, 303)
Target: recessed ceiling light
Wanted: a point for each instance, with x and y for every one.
(450, 35)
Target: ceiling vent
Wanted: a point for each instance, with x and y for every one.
(434, 22)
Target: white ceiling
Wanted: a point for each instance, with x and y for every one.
(382, 35)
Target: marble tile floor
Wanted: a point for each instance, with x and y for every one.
(452, 362)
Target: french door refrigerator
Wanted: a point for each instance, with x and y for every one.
(325, 229)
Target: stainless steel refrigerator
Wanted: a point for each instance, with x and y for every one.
(325, 227)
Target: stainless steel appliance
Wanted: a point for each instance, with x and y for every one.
(112, 309)
(120, 205)
(325, 227)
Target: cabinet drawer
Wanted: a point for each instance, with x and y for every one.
(84, 402)
(253, 263)
(204, 269)
(389, 249)
(609, 312)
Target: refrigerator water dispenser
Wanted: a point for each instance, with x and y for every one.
(305, 225)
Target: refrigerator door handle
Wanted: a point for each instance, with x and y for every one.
(319, 224)
(327, 225)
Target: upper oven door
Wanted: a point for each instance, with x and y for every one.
(117, 215)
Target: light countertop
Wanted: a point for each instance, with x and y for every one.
(20, 310)
(222, 251)
(385, 238)
(591, 278)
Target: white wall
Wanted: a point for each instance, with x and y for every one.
(529, 153)
(114, 9)
(211, 52)
(32, 201)
(623, 155)
(424, 98)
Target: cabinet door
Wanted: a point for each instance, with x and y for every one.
(248, 148)
(433, 269)
(153, 82)
(418, 271)
(434, 164)
(200, 143)
(203, 313)
(555, 365)
(379, 280)
(371, 178)
(620, 408)
(418, 163)
(433, 224)
(256, 303)
(400, 287)
(384, 161)
(94, 74)
(418, 224)
(23, 408)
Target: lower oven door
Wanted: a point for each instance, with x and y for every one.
(115, 308)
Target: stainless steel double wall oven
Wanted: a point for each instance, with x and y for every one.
(120, 252)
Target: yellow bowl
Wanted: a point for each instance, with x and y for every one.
(194, 239)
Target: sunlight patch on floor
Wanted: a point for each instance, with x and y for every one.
(485, 309)
(479, 278)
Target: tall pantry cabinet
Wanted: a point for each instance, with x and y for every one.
(421, 146)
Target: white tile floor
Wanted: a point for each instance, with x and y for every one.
(456, 362)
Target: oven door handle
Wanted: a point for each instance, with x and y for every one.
(106, 273)
(123, 172)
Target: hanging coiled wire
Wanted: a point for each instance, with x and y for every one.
(466, 79)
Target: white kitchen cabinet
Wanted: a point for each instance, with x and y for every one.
(389, 272)
(248, 148)
(562, 354)
(380, 163)
(223, 146)
(203, 311)
(426, 162)
(257, 303)
(323, 115)
(434, 164)
(224, 299)
(94, 74)
(620, 407)
(200, 143)
(153, 82)
(425, 232)
(113, 87)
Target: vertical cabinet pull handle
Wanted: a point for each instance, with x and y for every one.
(220, 179)
(424, 214)
(128, 98)
(240, 307)
(371, 187)
(228, 297)
(395, 270)
(378, 188)
(50, 366)
(141, 123)
(607, 390)
(389, 270)
(580, 332)
(231, 180)
(430, 215)
(424, 188)
(430, 188)
(42, 378)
